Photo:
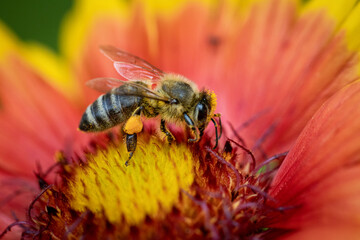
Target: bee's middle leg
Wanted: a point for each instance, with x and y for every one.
(164, 129)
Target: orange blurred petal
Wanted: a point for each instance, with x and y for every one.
(320, 177)
(176, 47)
(36, 121)
(285, 67)
(271, 62)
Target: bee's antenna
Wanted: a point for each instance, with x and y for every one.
(216, 132)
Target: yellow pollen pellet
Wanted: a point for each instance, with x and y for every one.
(133, 125)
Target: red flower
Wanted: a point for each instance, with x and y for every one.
(285, 78)
(319, 177)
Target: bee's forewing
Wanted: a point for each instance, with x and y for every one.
(134, 72)
(104, 84)
(130, 66)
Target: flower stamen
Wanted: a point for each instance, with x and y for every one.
(207, 218)
(35, 200)
(259, 191)
(279, 157)
(253, 163)
(73, 226)
(223, 161)
(8, 228)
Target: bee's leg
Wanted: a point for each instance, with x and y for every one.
(131, 141)
(163, 128)
(217, 125)
(218, 115)
(216, 132)
(134, 123)
(132, 126)
(190, 123)
(201, 130)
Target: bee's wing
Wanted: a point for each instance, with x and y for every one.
(134, 72)
(130, 66)
(106, 84)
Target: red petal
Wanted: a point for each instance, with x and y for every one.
(270, 62)
(284, 67)
(35, 121)
(16, 194)
(320, 177)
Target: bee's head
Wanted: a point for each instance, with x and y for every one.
(204, 110)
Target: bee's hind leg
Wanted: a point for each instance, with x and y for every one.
(133, 126)
(163, 128)
(131, 142)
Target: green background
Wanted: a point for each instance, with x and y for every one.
(35, 20)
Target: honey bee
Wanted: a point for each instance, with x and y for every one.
(147, 91)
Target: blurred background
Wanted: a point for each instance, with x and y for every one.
(37, 20)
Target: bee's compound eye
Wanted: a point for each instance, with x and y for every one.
(201, 113)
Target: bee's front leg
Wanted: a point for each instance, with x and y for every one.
(132, 126)
(190, 123)
(164, 129)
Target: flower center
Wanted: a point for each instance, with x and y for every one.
(179, 190)
(151, 182)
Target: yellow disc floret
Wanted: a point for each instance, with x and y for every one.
(152, 182)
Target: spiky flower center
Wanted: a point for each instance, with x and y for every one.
(151, 183)
(181, 191)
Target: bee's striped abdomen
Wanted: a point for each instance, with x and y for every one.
(108, 111)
